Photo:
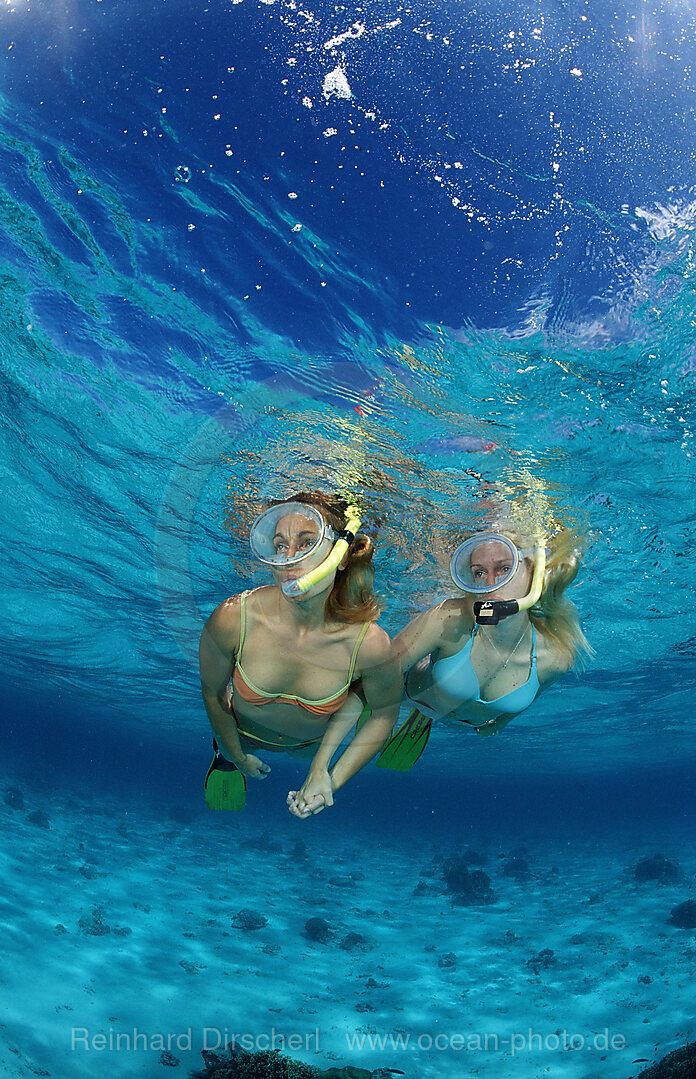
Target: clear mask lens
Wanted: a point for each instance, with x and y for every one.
(484, 563)
(289, 534)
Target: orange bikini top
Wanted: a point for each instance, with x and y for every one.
(253, 695)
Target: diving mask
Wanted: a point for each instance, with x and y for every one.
(290, 533)
(294, 533)
(484, 563)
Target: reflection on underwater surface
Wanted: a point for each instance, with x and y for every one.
(408, 250)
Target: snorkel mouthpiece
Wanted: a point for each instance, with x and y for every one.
(291, 588)
(298, 587)
(489, 612)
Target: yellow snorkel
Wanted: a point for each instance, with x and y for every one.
(489, 612)
(343, 541)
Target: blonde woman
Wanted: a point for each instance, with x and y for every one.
(484, 657)
(278, 663)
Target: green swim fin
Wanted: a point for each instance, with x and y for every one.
(225, 785)
(406, 743)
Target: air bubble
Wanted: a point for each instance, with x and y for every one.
(182, 174)
(336, 84)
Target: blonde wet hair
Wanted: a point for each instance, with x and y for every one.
(352, 598)
(554, 615)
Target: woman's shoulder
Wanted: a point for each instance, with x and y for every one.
(455, 616)
(449, 615)
(552, 660)
(224, 624)
(375, 646)
(231, 608)
(446, 622)
(376, 650)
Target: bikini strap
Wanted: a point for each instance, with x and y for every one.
(242, 627)
(354, 657)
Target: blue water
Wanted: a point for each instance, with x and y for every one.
(250, 247)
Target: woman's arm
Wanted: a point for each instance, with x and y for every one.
(217, 651)
(340, 725)
(216, 654)
(427, 632)
(382, 686)
(381, 676)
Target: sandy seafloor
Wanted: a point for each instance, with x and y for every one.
(173, 963)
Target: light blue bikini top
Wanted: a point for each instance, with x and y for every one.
(455, 676)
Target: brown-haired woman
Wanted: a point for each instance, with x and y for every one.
(306, 645)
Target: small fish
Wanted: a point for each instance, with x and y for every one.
(457, 444)
(641, 1060)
